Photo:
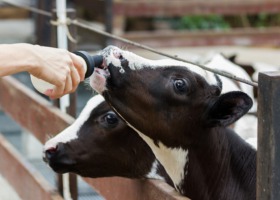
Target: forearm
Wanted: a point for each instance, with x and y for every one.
(15, 58)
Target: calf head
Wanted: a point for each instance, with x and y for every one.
(100, 144)
(169, 101)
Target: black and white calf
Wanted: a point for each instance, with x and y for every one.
(100, 144)
(178, 109)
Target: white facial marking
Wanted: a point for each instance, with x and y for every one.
(137, 62)
(111, 56)
(153, 173)
(70, 133)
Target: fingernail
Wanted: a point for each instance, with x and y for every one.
(48, 92)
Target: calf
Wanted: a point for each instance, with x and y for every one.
(246, 127)
(178, 109)
(100, 144)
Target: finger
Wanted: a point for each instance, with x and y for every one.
(58, 90)
(75, 79)
(68, 85)
(79, 63)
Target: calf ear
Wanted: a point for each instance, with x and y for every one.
(228, 108)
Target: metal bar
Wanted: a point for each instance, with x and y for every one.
(19, 172)
(71, 110)
(268, 159)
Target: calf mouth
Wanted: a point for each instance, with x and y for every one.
(105, 71)
(98, 79)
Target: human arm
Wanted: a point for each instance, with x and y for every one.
(56, 66)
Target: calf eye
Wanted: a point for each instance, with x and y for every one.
(111, 118)
(180, 85)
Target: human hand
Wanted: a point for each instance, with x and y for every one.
(59, 67)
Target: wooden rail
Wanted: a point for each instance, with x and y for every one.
(133, 8)
(37, 115)
(30, 110)
(235, 37)
(26, 180)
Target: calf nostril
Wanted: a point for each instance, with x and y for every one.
(50, 152)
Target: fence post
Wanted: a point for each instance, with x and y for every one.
(268, 156)
(71, 13)
(109, 19)
(43, 26)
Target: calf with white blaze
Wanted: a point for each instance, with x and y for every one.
(178, 109)
(100, 144)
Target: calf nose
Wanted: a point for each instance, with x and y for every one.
(49, 153)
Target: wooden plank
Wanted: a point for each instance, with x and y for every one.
(30, 110)
(13, 13)
(235, 37)
(268, 159)
(128, 189)
(28, 183)
(130, 8)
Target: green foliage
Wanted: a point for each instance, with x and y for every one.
(261, 20)
(219, 22)
(197, 22)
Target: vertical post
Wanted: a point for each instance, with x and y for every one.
(268, 156)
(71, 109)
(43, 27)
(108, 19)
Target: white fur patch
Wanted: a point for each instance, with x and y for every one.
(70, 133)
(173, 160)
(153, 173)
(219, 62)
(137, 62)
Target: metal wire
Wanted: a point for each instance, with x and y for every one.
(228, 75)
(27, 7)
(82, 24)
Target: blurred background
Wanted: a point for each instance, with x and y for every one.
(190, 29)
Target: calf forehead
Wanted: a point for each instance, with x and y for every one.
(136, 62)
(71, 133)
